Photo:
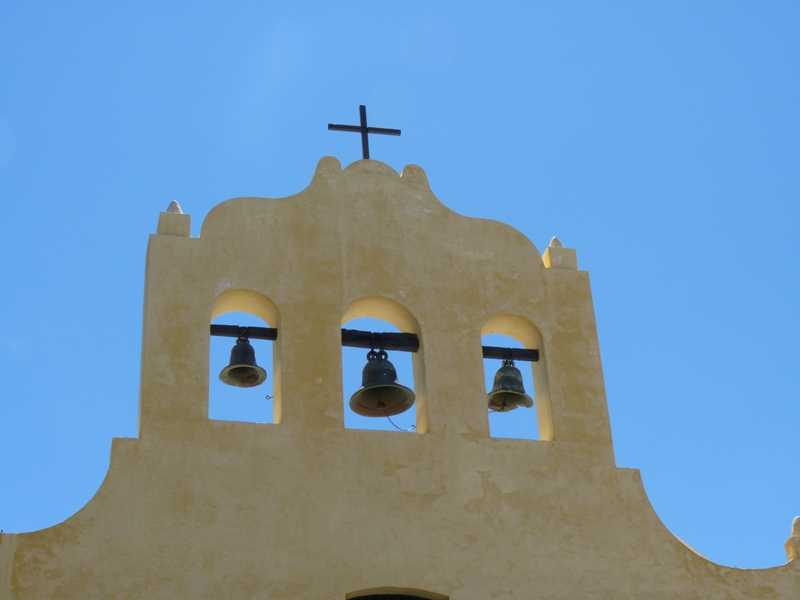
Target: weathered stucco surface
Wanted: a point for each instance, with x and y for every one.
(306, 509)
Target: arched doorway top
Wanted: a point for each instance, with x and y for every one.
(393, 593)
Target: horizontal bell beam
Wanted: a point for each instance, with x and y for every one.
(404, 342)
(353, 338)
(522, 354)
(252, 333)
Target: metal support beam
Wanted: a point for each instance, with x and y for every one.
(353, 338)
(522, 354)
(252, 333)
(404, 342)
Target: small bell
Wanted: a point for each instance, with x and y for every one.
(380, 395)
(243, 370)
(508, 391)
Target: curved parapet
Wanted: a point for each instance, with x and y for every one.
(656, 540)
(367, 231)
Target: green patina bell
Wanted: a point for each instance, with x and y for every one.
(243, 370)
(380, 395)
(508, 391)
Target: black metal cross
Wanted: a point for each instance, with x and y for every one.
(363, 130)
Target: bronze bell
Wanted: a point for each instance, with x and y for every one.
(380, 395)
(243, 370)
(508, 391)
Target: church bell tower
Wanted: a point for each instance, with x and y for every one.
(304, 508)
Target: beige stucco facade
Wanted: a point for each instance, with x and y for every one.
(305, 509)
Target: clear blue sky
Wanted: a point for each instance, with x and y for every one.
(659, 139)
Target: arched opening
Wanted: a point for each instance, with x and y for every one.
(258, 404)
(381, 315)
(521, 422)
(536, 423)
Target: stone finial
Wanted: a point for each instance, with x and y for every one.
(793, 543)
(174, 222)
(558, 257)
(174, 207)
